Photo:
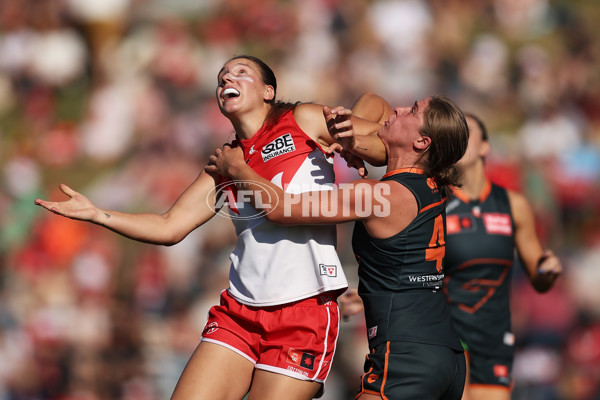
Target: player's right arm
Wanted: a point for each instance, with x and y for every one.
(192, 209)
(542, 266)
(356, 129)
(372, 107)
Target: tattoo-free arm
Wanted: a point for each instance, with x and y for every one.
(372, 107)
(542, 266)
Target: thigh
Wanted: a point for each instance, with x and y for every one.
(273, 386)
(214, 372)
(489, 393)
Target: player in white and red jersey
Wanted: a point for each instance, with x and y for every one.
(274, 334)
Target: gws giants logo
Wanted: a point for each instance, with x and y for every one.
(282, 145)
(244, 204)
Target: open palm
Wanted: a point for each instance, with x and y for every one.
(76, 207)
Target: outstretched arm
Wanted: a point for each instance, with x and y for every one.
(542, 266)
(191, 210)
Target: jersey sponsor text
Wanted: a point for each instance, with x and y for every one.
(281, 145)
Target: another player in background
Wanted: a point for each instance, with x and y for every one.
(275, 332)
(398, 240)
(486, 223)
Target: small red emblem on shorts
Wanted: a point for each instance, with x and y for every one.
(210, 328)
(372, 378)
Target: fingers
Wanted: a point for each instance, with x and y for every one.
(51, 206)
(334, 148)
(363, 172)
(67, 190)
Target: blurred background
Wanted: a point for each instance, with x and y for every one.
(117, 99)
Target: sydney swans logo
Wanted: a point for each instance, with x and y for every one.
(243, 204)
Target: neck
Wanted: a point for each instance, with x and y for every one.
(405, 160)
(473, 180)
(247, 124)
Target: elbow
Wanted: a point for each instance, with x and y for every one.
(172, 239)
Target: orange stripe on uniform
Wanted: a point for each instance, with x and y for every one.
(433, 205)
(362, 381)
(399, 171)
(385, 369)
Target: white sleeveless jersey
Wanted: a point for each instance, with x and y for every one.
(274, 264)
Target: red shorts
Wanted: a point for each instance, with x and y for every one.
(295, 339)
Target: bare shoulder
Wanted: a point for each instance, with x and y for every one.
(402, 208)
(309, 117)
(403, 198)
(517, 200)
(520, 207)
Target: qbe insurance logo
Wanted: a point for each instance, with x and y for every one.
(244, 204)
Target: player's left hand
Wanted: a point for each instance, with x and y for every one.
(549, 268)
(226, 161)
(352, 161)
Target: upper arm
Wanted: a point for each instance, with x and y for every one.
(372, 107)
(368, 146)
(527, 242)
(194, 207)
(310, 119)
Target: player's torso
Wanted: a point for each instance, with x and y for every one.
(479, 259)
(274, 264)
(401, 276)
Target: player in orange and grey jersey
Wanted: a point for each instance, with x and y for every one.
(485, 224)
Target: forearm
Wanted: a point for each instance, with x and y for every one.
(369, 148)
(143, 227)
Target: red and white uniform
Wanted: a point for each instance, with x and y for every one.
(274, 264)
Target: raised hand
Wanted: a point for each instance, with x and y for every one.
(339, 125)
(76, 207)
(352, 161)
(226, 161)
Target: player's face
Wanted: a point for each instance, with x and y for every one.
(402, 127)
(477, 148)
(240, 87)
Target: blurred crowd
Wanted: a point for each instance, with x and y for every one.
(116, 98)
